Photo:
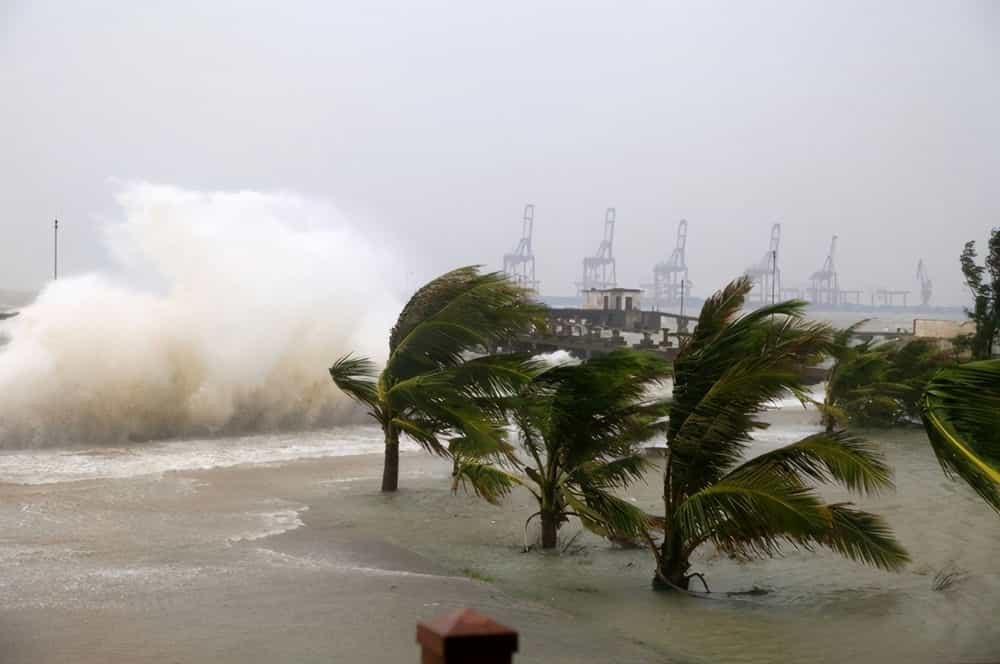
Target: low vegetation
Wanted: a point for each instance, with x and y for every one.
(878, 385)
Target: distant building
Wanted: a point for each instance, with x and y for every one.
(613, 299)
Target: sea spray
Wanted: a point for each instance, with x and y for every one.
(222, 315)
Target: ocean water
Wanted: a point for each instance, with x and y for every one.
(117, 528)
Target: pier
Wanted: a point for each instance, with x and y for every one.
(612, 321)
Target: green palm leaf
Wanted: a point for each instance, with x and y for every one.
(606, 514)
(433, 385)
(758, 503)
(490, 483)
(579, 425)
(839, 456)
(356, 377)
(458, 312)
(614, 474)
(731, 370)
(863, 537)
(961, 412)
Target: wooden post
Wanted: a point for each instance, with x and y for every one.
(466, 637)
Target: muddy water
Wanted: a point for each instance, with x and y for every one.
(281, 549)
(818, 607)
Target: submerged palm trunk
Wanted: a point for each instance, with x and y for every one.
(673, 565)
(550, 529)
(390, 471)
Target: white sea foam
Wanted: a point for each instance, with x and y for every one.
(272, 523)
(53, 466)
(246, 299)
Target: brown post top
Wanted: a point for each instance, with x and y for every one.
(466, 637)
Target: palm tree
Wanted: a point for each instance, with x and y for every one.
(961, 412)
(877, 385)
(724, 377)
(431, 386)
(913, 363)
(580, 425)
(857, 387)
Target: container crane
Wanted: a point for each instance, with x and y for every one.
(670, 277)
(825, 288)
(519, 265)
(926, 285)
(766, 275)
(599, 269)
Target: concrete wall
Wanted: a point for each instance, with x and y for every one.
(941, 329)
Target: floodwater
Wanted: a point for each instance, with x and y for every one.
(280, 548)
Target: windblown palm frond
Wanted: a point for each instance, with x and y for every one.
(961, 412)
(750, 505)
(614, 474)
(760, 508)
(356, 377)
(605, 514)
(725, 380)
(732, 369)
(580, 426)
(433, 384)
(460, 311)
(877, 384)
(823, 457)
(863, 537)
(487, 481)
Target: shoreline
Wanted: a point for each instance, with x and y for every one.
(330, 589)
(307, 561)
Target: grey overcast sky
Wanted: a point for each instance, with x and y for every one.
(432, 123)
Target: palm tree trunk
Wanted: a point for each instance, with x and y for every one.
(550, 529)
(390, 471)
(673, 566)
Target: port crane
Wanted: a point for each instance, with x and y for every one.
(519, 265)
(825, 287)
(599, 269)
(926, 285)
(766, 275)
(670, 277)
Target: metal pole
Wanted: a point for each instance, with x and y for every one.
(774, 271)
(682, 297)
(55, 249)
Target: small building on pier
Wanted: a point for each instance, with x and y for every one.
(613, 299)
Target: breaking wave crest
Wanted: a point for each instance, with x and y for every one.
(245, 299)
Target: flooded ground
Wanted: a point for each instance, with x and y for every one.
(270, 548)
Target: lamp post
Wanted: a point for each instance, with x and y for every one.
(682, 297)
(774, 273)
(55, 249)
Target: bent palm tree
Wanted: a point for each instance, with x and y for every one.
(724, 377)
(429, 387)
(961, 412)
(580, 426)
(852, 384)
(877, 385)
